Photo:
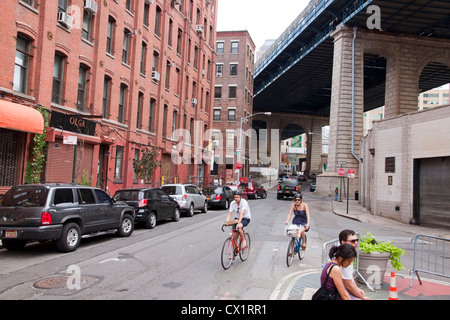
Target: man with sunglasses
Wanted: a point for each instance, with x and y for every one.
(349, 237)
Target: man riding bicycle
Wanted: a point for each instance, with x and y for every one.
(239, 207)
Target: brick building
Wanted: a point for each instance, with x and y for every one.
(233, 100)
(119, 75)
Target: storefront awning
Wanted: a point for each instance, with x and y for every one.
(15, 116)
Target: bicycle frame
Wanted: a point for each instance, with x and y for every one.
(231, 248)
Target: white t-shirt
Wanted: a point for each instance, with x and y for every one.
(237, 209)
(347, 273)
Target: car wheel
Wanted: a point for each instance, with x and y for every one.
(190, 213)
(151, 221)
(205, 207)
(264, 195)
(227, 204)
(176, 216)
(126, 226)
(70, 238)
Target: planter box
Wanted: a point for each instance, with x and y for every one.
(372, 267)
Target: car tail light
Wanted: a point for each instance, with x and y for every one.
(218, 197)
(278, 187)
(296, 188)
(185, 196)
(251, 187)
(142, 203)
(46, 218)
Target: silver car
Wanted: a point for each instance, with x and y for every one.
(188, 196)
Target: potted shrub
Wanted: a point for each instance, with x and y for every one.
(374, 256)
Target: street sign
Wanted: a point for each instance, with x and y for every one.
(341, 171)
(351, 173)
(238, 165)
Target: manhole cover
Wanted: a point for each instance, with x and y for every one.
(51, 283)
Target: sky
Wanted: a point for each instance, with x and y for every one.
(263, 19)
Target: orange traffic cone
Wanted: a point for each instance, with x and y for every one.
(393, 289)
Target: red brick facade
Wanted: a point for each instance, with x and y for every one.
(120, 45)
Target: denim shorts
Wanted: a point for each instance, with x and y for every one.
(245, 221)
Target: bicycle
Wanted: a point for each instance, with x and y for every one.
(231, 249)
(295, 244)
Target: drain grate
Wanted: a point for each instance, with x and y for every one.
(51, 283)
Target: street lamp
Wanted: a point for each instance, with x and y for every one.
(240, 137)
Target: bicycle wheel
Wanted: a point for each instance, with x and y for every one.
(290, 252)
(243, 254)
(227, 253)
(301, 252)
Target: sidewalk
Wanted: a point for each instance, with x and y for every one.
(306, 285)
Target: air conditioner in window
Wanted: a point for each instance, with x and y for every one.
(176, 2)
(218, 74)
(65, 19)
(208, 2)
(194, 101)
(156, 76)
(199, 28)
(90, 6)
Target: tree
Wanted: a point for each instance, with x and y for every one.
(145, 166)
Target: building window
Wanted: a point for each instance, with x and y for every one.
(233, 69)
(232, 92)
(195, 57)
(128, 5)
(126, 46)
(143, 57)
(82, 85)
(119, 161)
(170, 33)
(230, 139)
(122, 101)
(139, 110)
(219, 70)
(231, 114)
(151, 115)
(106, 97)
(167, 82)
(146, 13)
(22, 63)
(86, 30)
(164, 128)
(110, 36)
(174, 122)
(155, 61)
(180, 35)
(234, 46)
(58, 72)
(389, 164)
(220, 46)
(217, 92)
(216, 115)
(158, 21)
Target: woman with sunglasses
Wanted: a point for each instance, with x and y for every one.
(301, 216)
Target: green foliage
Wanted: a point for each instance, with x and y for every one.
(145, 167)
(35, 166)
(368, 244)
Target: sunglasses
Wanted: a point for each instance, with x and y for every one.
(298, 199)
(353, 241)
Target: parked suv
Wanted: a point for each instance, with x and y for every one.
(60, 212)
(188, 197)
(150, 204)
(254, 190)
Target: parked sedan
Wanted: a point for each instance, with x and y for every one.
(150, 204)
(254, 190)
(218, 196)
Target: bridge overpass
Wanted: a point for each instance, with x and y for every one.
(340, 58)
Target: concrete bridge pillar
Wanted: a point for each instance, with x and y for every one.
(347, 100)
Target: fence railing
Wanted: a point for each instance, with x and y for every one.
(430, 256)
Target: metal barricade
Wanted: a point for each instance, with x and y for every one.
(325, 258)
(430, 254)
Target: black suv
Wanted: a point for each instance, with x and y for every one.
(61, 212)
(150, 205)
(288, 187)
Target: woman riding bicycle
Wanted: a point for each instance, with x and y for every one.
(301, 216)
(239, 207)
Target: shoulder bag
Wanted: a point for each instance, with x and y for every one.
(326, 294)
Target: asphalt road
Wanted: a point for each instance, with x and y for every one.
(180, 260)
